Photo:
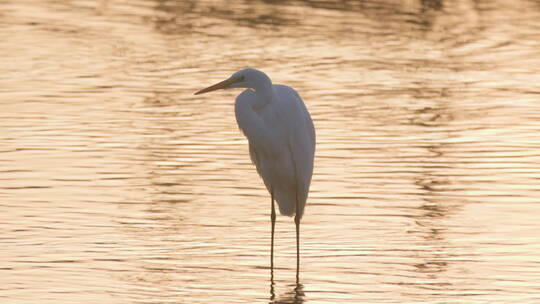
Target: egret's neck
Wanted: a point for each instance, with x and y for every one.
(265, 94)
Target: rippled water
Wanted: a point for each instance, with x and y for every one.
(120, 186)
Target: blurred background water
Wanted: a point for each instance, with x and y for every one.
(120, 186)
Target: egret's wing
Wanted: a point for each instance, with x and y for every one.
(301, 139)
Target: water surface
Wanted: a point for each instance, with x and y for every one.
(120, 186)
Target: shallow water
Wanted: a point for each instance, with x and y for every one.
(120, 186)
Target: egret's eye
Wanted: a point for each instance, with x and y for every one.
(237, 79)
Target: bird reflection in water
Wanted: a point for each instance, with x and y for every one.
(294, 296)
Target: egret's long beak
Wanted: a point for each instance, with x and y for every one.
(220, 85)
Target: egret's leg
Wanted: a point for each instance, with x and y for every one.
(297, 223)
(273, 219)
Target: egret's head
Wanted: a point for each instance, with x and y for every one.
(247, 78)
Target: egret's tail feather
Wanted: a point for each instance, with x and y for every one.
(286, 209)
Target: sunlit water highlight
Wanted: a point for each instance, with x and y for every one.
(120, 186)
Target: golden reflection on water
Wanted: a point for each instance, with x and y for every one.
(118, 185)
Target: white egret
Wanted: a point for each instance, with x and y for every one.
(281, 139)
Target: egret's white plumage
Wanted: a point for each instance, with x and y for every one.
(281, 138)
